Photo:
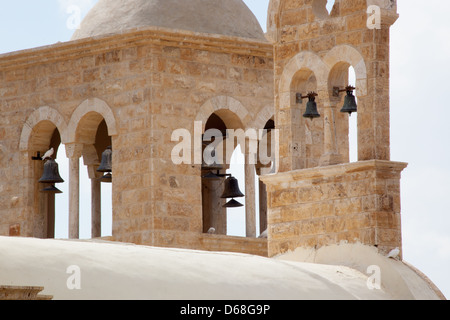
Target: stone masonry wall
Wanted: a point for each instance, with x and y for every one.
(145, 84)
(358, 202)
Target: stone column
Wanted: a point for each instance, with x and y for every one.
(262, 206)
(74, 151)
(96, 200)
(250, 175)
(250, 210)
(96, 208)
(214, 215)
(92, 162)
(330, 153)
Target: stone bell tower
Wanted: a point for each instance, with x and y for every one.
(317, 197)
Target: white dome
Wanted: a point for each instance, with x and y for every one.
(122, 271)
(230, 17)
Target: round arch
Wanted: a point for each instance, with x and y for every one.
(267, 113)
(48, 119)
(305, 60)
(238, 118)
(340, 58)
(88, 116)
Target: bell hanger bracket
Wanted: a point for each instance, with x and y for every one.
(337, 90)
(38, 157)
(299, 97)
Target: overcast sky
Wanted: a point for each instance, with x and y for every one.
(420, 130)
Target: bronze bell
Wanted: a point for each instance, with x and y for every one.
(106, 164)
(107, 178)
(350, 105)
(51, 176)
(52, 189)
(232, 189)
(233, 204)
(51, 173)
(311, 107)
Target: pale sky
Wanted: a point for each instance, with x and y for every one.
(420, 133)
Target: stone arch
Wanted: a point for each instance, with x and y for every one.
(339, 59)
(305, 72)
(88, 116)
(304, 60)
(239, 117)
(267, 113)
(83, 141)
(49, 119)
(342, 56)
(232, 115)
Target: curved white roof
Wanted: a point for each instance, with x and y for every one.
(230, 17)
(111, 270)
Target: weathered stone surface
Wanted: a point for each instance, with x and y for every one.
(142, 84)
(352, 202)
(22, 293)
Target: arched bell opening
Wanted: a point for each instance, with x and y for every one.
(343, 98)
(46, 195)
(102, 221)
(214, 214)
(306, 122)
(348, 94)
(221, 196)
(95, 182)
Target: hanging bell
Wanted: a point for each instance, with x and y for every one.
(350, 105)
(107, 178)
(51, 176)
(52, 189)
(311, 107)
(232, 189)
(51, 173)
(233, 204)
(106, 164)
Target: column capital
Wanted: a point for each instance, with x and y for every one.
(74, 150)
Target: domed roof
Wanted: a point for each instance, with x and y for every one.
(117, 271)
(230, 17)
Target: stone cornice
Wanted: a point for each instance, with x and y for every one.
(135, 37)
(327, 171)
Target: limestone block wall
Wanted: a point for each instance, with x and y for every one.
(143, 84)
(358, 202)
